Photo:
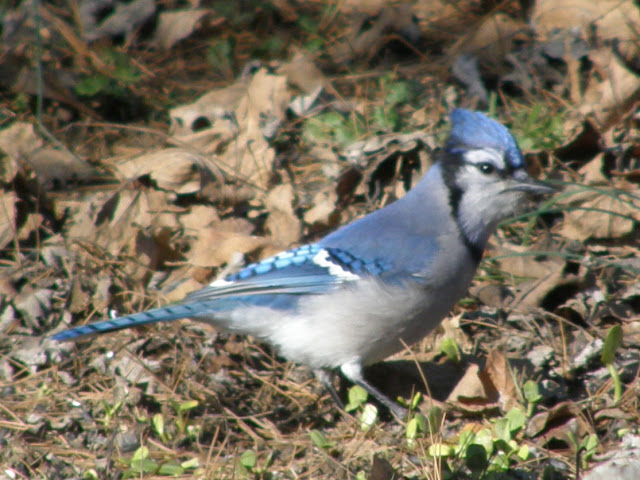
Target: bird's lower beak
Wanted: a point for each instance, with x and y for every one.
(524, 183)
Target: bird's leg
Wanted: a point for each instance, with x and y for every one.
(353, 372)
(325, 377)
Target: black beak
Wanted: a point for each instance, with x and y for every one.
(524, 183)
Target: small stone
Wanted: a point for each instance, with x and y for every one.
(7, 318)
(127, 441)
(588, 353)
(34, 306)
(623, 465)
(6, 372)
(60, 424)
(31, 353)
(516, 343)
(33, 418)
(540, 355)
(66, 378)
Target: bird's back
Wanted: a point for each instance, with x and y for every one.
(373, 318)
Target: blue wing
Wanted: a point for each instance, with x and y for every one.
(307, 270)
(277, 282)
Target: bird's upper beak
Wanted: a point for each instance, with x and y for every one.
(525, 183)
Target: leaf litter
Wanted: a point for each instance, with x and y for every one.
(301, 140)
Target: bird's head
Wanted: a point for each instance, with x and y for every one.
(485, 173)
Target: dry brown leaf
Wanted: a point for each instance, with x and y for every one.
(52, 166)
(370, 7)
(374, 157)
(123, 18)
(7, 217)
(530, 295)
(631, 332)
(249, 157)
(32, 223)
(613, 413)
(600, 214)
(450, 327)
(496, 375)
(524, 266)
(558, 423)
(611, 97)
(184, 287)
(17, 142)
(206, 139)
(469, 386)
(8, 169)
(8, 289)
(283, 224)
(323, 207)
(490, 41)
(486, 389)
(287, 10)
(215, 107)
(172, 169)
(443, 20)
(139, 225)
(302, 73)
(491, 295)
(79, 299)
(197, 218)
(143, 208)
(34, 305)
(613, 22)
(610, 19)
(216, 245)
(534, 277)
(49, 165)
(470, 393)
(381, 147)
(236, 224)
(177, 25)
(233, 122)
(227, 193)
(368, 35)
(592, 173)
(130, 222)
(101, 292)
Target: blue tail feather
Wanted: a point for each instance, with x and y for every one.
(164, 314)
(213, 311)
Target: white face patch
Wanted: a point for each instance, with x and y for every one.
(485, 201)
(486, 155)
(322, 260)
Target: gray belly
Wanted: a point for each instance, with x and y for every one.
(365, 324)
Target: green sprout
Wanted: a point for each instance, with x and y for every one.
(611, 345)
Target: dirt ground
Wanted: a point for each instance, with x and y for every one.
(148, 147)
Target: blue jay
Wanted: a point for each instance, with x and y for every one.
(382, 282)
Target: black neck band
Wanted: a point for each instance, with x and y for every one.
(450, 167)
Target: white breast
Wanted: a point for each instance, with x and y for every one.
(368, 321)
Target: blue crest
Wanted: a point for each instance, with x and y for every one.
(476, 130)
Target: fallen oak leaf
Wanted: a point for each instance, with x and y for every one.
(498, 382)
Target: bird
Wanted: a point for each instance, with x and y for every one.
(380, 283)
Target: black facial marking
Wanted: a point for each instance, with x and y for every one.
(452, 163)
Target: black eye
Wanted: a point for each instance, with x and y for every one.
(487, 168)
